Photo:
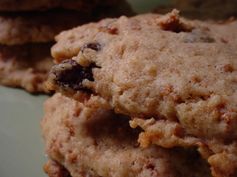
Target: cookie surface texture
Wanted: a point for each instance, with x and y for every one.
(160, 70)
(97, 142)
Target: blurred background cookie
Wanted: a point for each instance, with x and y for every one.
(29, 5)
(25, 66)
(27, 34)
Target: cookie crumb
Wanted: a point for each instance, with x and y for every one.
(172, 22)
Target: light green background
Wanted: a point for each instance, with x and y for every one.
(21, 145)
(142, 6)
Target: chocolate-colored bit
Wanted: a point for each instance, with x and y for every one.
(69, 74)
(94, 46)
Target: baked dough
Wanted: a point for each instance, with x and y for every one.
(96, 142)
(175, 78)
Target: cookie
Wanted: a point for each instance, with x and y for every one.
(28, 5)
(199, 9)
(166, 70)
(97, 142)
(32, 27)
(22, 28)
(25, 66)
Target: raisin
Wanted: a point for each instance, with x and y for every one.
(69, 74)
(110, 30)
(150, 166)
(228, 68)
(94, 46)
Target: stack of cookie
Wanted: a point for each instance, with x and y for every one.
(27, 30)
(152, 95)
